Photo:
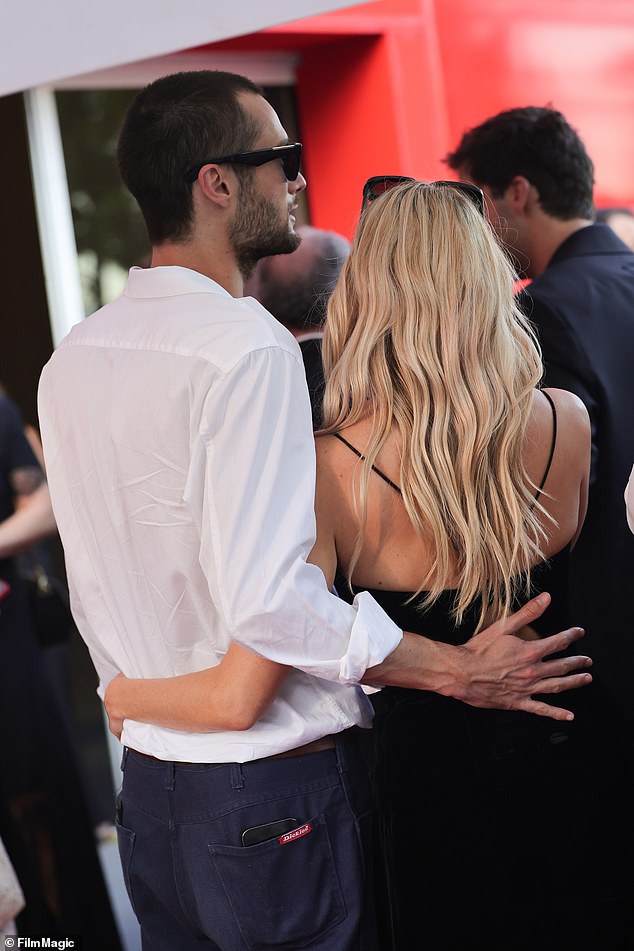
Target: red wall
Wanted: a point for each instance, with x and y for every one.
(390, 86)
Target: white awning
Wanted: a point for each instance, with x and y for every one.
(42, 43)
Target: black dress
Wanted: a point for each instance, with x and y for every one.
(44, 821)
(311, 355)
(498, 830)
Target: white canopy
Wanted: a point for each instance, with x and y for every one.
(44, 45)
(43, 42)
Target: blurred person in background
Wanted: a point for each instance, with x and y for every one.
(295, 288)
(538, 179)
(621, 220)
(44, 822)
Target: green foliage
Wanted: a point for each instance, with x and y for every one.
(107, 221)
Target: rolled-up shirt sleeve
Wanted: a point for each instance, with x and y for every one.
(252, 483)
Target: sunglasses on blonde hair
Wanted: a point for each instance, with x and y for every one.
(379, 184)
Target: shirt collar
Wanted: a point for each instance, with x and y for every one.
(589, 241)
(169, 282)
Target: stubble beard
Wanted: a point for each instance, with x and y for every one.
(260, 230)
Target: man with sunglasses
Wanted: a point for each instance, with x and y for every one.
(177, 432)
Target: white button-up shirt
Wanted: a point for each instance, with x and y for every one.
(178, 441)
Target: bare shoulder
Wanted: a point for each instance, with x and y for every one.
(570, 409)
(332, 503)
(326, 449)
(330, 464)
(572, 457)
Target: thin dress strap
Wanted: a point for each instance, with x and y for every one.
(392, 485)
(552, 445)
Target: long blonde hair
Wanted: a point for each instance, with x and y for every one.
(424, 336)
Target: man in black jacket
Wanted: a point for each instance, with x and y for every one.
(538, 179)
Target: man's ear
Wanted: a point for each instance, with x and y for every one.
(520, 194)
(215, 185)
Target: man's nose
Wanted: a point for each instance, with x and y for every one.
(298, 185)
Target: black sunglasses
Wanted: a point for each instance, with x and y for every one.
(379, 184)
(289, 155)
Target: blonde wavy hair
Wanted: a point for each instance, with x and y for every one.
(424, 336)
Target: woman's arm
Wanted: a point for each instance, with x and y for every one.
(32, 521)
(230, 696)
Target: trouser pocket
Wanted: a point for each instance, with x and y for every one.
(284, 892)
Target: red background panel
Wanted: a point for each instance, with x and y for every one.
(390, 86)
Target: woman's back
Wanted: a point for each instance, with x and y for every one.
(394, 556)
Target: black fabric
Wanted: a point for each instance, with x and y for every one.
(311, 354)
(498, 830)
(49, 605)
(553, 442)
(583, 309)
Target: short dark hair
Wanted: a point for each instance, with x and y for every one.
(539, 144)
(174, 123)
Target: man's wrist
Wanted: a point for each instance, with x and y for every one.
(422, 664)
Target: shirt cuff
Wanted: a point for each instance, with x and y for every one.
(374, 636)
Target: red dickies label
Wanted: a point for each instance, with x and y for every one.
(295, 834)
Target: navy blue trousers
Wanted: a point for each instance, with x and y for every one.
(194, 886)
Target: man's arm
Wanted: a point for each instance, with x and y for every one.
(493, 669)
(252, 485)
(231, 696)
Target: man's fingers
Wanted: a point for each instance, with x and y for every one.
(527, 613)
(559, 684)
(541, 709)
(563, 666)
(555, 685)
(558, 642)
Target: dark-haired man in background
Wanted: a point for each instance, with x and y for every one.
(538, 179)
